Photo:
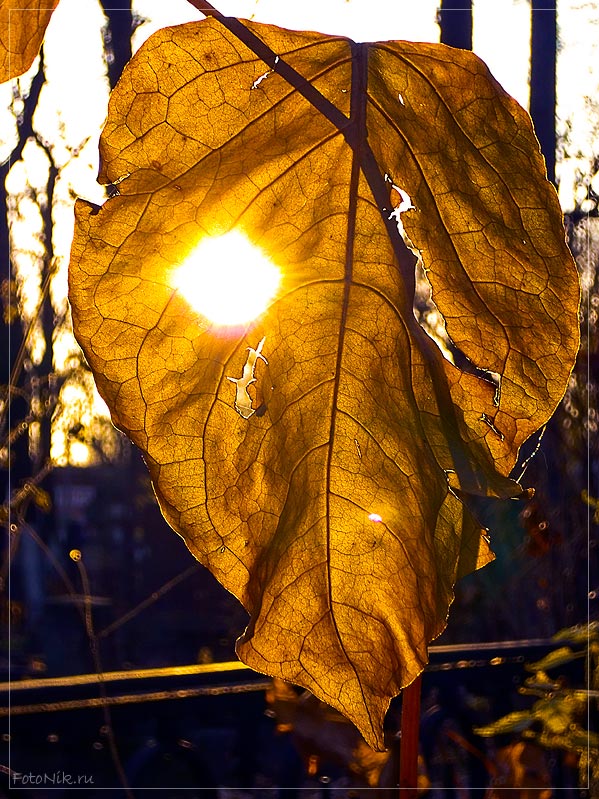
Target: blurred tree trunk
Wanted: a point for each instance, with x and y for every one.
(455, 21)
(13, 332)
(27, 395)
(117, 37)
(542, 78)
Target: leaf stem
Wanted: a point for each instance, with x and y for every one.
(410, 728)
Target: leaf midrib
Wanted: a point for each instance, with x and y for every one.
(358, 129)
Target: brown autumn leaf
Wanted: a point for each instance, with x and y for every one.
(23, 24)
(354, 410)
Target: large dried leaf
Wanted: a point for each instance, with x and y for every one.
(23, 24)
(359, 412)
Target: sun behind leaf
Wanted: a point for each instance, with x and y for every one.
(227, 279)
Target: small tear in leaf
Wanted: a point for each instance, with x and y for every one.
(259, 80)
(243, 401)
(487, 420)
(374, 517)
(453, 482)
(495, 378)
(358, 447)
(404, 205)
(120, 179)
(400, 98)
(111, 188)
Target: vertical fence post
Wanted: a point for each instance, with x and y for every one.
(543, 77)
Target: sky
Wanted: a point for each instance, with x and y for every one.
(377, 20)
(74, 100)
(501, 36)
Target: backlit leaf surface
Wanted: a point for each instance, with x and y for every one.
(23, 24)
(332, 512)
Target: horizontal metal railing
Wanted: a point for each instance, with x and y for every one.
(463, 657)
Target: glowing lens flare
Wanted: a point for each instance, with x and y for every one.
(227, 279)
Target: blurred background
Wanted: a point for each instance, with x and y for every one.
(93, 580)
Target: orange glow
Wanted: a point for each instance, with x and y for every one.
(227, 279)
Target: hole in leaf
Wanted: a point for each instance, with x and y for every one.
(243, 400)
(432, 321)
(259, 80)
(426, 312)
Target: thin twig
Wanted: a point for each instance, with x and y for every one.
(95, 649)
(23, 525)
(205, 8)
(16, 507)
(149, 600)
(25, 130)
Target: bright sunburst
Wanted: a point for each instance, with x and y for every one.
(227, 279)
